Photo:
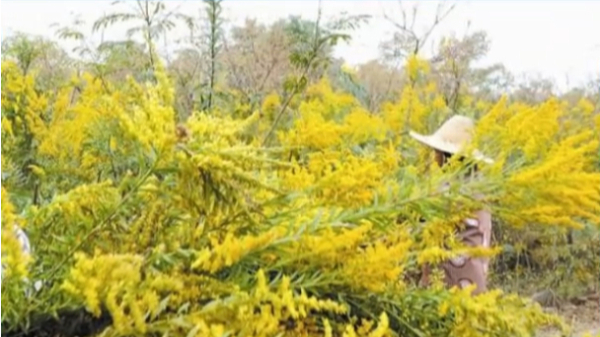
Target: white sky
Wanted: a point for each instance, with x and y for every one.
(557, 39)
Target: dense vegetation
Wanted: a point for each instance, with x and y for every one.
(254, 185)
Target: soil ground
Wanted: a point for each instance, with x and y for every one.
(583, 318)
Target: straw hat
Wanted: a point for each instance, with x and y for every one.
(452, 137)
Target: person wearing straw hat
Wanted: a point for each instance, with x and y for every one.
(453, 138)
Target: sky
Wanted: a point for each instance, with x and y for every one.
(554, 39)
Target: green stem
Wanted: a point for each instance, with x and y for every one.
(102, 224)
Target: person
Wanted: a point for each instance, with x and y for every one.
(452, 138)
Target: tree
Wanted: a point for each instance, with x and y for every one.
(214, 36)
(257, 58)
(120, 59)
(106, 59)
(533, 88)
(454, 71)
(406, 39)
(593, 90)
(188, 74)
(52, 64)
(382, 82)
(201, 54)
(309, 54)
(152, 20)
(490, 83)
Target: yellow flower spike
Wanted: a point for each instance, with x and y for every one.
(327, 328)
(138, 319)
(349, 332)
(217, 330)
(382, 326)
(284, 286)
(261, 284)
(14, 261)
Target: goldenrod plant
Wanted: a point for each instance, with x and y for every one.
(304, 215)
(212, 233)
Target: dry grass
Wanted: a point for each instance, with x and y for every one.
(584, 318)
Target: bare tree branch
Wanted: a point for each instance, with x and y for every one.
(439, 17)
(414, 41)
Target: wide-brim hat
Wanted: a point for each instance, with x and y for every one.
(452, 137)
